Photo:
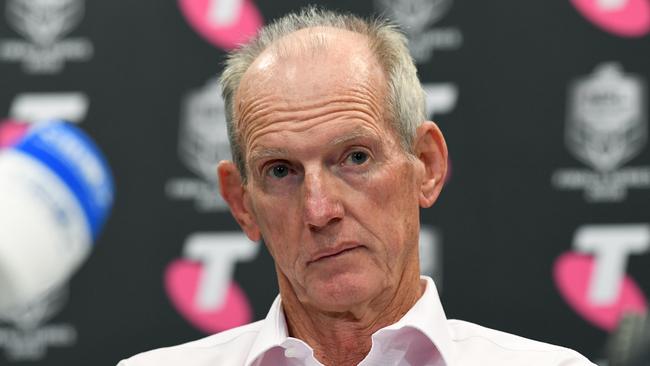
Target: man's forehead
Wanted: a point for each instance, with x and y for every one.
(321, 55)
(336, 74)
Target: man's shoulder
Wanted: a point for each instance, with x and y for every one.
(230, 345)
(485, 343)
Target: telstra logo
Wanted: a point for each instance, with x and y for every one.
(593, 279)
(201, 285)
(224, 23)
(625, 18)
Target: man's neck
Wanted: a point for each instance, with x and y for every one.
(344, 338)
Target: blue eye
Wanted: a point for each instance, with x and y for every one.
(358, 157)
(279, 171)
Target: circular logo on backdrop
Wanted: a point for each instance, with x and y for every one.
(625, 18)
(224, 23)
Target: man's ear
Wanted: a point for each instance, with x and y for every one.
(233, 192)
(431, 151)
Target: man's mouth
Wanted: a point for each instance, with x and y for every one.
(333, 252)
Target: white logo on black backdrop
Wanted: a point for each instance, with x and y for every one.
(611, 247)
(44, 23)
(431, 254)
(440, 98)
(28, 337)
(416, 18)
(32, 107)
(606, 127)
(203, 142)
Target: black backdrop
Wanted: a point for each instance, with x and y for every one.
(501, 75)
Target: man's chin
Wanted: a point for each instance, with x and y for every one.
(341, 292)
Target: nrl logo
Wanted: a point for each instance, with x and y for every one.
(606, 125)
(27, 338)
(44, 21)
(606, 128)
(45, 24)
(203, 142)
(416, 17)
(203, 134)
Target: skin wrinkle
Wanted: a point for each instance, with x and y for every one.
(292, 126)
(335, 103)
(249, 114)
(316, 116)
(309, 113)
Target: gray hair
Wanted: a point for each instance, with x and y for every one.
(405, 95)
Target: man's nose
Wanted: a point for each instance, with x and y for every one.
(322, 204)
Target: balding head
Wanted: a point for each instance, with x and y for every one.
(307, 63)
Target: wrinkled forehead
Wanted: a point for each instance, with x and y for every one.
(310, 64)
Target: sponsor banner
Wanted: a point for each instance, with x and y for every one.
(606, 127)
(202, 143)
(44, 24)
(417, 19)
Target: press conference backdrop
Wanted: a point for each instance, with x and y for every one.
(543, 228)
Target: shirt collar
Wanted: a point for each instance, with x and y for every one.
(427, 316)
(272, 333)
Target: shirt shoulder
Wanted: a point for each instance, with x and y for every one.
(229, 347)
(477, 343)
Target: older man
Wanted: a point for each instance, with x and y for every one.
(333, 159)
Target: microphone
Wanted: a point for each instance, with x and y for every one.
(629, 345)
(56, 191)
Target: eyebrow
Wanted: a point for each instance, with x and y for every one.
(266, 152)
(269, 152)
(356, 134)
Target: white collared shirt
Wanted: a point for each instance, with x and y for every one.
(423, 337)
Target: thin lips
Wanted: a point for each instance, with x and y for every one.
(333, 251)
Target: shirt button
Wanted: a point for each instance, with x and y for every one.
(291, 352)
